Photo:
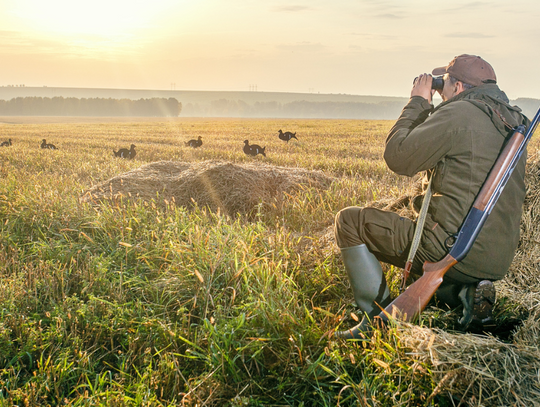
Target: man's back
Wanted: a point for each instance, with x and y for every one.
(461, 140)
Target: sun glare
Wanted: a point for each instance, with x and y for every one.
(95, 17)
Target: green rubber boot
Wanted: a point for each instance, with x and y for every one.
(369, 288)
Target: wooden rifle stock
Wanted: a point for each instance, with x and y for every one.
(408, 305)
(412, 302)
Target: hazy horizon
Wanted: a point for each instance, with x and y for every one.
(365, 47)
(196, 90)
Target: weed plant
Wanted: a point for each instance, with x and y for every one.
(144, 304)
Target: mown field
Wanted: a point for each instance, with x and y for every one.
(137, 303)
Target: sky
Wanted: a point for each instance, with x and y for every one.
(359, 47)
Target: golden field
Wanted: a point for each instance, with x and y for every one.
(128, 301)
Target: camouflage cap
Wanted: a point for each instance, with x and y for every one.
(470, 69)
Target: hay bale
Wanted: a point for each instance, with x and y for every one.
(231, 188)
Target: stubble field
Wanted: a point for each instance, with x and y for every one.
(145, 302)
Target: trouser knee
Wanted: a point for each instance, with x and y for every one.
(346, 227)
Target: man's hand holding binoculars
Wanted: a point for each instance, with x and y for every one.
(422, 87)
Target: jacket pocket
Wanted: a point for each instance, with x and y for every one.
(386, 232)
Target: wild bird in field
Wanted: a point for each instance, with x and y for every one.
(125, 153)
(5, 143)
(253, 149)
(44, 144)
(194, 143)
(287, 136)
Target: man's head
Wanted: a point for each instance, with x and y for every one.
(469, 69)
(464, 72)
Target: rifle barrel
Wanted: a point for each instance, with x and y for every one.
(492, 188)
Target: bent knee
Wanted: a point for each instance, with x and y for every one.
(347, 227)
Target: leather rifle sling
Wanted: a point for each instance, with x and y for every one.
(417, 235)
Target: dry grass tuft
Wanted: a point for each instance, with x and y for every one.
(524, 277)
(231, 188)
(482, 369)
(522, 284)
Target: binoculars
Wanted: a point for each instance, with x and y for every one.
(437, 83)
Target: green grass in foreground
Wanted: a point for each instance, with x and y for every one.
(152, 305)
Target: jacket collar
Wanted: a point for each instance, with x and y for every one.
(493, 102)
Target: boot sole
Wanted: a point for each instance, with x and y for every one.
(484, 299)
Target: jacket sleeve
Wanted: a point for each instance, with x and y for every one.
(417, 141)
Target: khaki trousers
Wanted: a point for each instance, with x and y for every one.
(389, 236)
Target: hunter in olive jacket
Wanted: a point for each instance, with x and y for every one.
(458, 144)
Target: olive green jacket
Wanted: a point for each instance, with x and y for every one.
(459, 141)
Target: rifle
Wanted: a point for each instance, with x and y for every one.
(416, 297)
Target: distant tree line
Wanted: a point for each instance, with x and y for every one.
(170, 107)
(384, 110)
(296, 109)
(59, 106)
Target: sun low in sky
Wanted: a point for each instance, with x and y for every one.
(363, 47)
(71, 17)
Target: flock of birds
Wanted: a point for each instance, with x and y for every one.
(43, 144)
(130, 153)
(249, 149)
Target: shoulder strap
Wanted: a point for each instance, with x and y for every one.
(493, 111)
(417, 235)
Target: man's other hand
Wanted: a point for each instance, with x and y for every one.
(422, 87)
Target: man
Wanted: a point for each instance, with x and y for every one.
(456, 144)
